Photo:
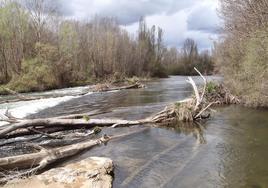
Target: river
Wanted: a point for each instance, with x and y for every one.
(228, 150)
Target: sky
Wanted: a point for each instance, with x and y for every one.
(180, 19)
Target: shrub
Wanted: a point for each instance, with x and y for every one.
(159, 71)
(211, 87)
(36, 76)
(245, 68)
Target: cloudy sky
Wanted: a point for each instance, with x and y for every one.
(180, 19)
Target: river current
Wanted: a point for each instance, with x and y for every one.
(228, 150)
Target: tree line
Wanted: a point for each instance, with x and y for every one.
(183, 61)
(40, 49)
(242, 53)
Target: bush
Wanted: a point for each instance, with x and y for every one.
(211, 87)
(36, 76)
(159, 71)
(254, 71)
(245, 68)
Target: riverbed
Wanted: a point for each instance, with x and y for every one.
(228, 150)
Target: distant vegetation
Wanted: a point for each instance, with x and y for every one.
(182, 62)
(40, 49)
(242, 56)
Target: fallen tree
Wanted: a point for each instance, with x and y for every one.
(192, 109)
(108, 87)
(96, 88)
(187, 110)
(37, 161)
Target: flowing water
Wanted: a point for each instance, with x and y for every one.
(229, 150)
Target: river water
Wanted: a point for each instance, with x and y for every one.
(228, 150)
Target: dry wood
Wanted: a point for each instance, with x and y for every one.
(197, 96)
(21, 97)
(19, 139)
(52, 122)
(79, 116)
(39, 160)
(44, 134)
(105, 87)
(205, 84)
(184, 110)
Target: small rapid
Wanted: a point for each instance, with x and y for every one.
(22, 109)
(228, 150)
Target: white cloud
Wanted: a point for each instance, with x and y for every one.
(178, 18)
(126, 11)
(204, 17)
(204, 40)
(174, 26)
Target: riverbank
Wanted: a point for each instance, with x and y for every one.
(216, 149)
(111, 81)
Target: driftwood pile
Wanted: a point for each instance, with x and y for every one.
(109, 87)
(219, 92)
(18, 130)
(96, 88)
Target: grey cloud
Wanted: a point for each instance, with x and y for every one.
(203, 39)
(203, 18)
(128, 12)
(200, 22)
(48, 5)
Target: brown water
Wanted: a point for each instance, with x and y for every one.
(229, 150)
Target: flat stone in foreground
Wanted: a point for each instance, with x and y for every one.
(92, 172)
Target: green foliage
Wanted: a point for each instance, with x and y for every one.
(36, 76)
(3, 91)
(97, 130)
(183, 62)
(245, 67)
(178, 104)
(254, 71)
(211, 87)
(133, 80)
(68, 39)
(159, 71)
(243, 54)
(86, 117)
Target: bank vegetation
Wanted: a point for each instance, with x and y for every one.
(242, 53)
(40, 49)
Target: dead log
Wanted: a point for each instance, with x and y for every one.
(46, 156)
(186, 110)
(97, 88)
(19, 139)
(39, 160)
(106, 87)
(53, 122)
(84, 115)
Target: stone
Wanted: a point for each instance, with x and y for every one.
(93, 172)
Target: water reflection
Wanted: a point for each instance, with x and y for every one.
(196, 129)
(229, 150)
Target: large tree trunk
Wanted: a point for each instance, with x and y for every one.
(187, 110)
(37, 161)
(53, 122)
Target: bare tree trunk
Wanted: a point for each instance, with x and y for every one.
(39, 160)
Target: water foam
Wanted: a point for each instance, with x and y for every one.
(24, 108)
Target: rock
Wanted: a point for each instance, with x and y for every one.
(92, 172)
